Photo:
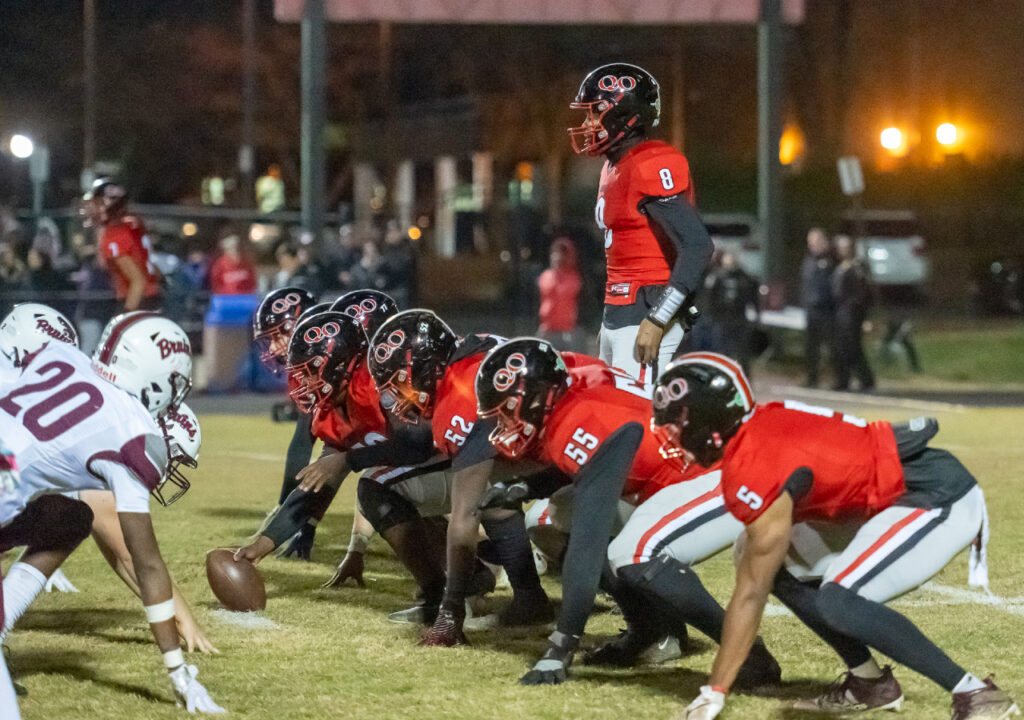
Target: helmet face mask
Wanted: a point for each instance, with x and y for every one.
(181, 432)
(518, 384)
(407, 358)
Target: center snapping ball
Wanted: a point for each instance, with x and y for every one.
(236, 583)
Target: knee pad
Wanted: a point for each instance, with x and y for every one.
(382, 506)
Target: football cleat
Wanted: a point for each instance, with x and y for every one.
(850, 693)
(987, 703)
(634, 647)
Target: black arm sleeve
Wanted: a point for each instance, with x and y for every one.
(477, 447)
(799, 482)
(299, 450)
(408, 445)
(598, 487)
(298, 509)
(678, 227)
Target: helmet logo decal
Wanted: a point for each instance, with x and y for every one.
(383, 351)
(316, 334)
(506, 376)
(361, 309)
(283, 304)
(184, 422)
(611, 83)
(665, 394)
(170, 347)
(66, 335)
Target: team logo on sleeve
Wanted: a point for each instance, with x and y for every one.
(506, 376)
(666, 394)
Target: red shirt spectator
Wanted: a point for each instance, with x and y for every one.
(232, 273)
(560, 289)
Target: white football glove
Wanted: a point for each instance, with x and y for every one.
(706, 706)
(190, 693)
(59, 582)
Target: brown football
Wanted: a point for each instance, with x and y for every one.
(237, 584)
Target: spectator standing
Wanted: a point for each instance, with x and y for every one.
(96, 303)
(233, 273)
(292, 271)
(816, 298)
(731, 295)
(123, 246)
(270, 190)
(13, 270)
(851, 293)
(559, 288)
(368, 273)
(399, 265)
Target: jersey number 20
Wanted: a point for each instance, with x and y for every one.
(84, 399)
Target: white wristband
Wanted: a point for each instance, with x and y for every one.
(174, 659)
(160, 612)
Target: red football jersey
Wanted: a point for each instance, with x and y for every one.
(634, 256)
(857, 471)
(599, 401)
(127, 238)
(358, 420)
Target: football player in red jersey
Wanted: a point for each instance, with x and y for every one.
(914, 508)
(123, 246)
(590, 422)
(425, 375)
(656, 246)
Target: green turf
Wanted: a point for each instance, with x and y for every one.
(333, 655)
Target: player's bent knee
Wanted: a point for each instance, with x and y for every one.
(842, 608)
(59, 523)
(382, 506)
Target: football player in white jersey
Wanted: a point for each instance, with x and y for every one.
(25, 329)
(9, 482)
(71, 431)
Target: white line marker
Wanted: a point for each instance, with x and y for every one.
(787, 391)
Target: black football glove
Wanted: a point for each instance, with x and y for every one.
(500, 495)
(553, 668)
(351, 567)
(301, 545)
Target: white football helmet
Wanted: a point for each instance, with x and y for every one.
(29, 326)
(181, 428)
(147, 355)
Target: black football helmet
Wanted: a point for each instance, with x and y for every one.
(408, 355)
(518, 383)
(275, 318)
(700, 401)
(370, 307)
(324, 351)
(620, 99)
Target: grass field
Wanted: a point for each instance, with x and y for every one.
(331, 654)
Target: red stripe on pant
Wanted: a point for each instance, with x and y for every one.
(878, 544)
(638, 554)
(544, 518)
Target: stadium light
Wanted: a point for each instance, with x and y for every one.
(21, 146)
(946, 134)
(892, 139)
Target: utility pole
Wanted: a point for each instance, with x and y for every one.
(89, 101)
(246, 151)
(769, 130)
(314, 68)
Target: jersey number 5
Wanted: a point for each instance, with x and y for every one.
(748, 496)
(582, 443)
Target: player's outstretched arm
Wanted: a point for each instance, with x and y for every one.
(157, 596)
(106, 531)
(763, 554)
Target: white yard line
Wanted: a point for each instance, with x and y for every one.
(878, 400)
(940, 595)
(266, 457)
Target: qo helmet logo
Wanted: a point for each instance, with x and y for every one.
(506, 377)
(383, 351)
(317, 333)
(665, 394)
(361, 309)
(284, 304)
(611, 83)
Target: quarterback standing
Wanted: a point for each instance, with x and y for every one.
(656, 246)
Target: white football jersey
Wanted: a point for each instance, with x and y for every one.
(71, 430)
